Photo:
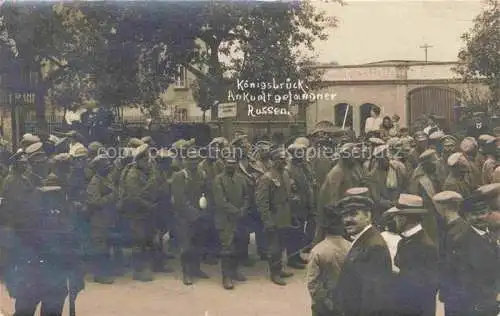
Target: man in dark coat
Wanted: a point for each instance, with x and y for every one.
(231, 206)
(470, 263)
(415, 285)
(422, 143)
(364, 281)
(272, 197)
(458, 166)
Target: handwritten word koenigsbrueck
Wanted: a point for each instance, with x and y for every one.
(288, 84)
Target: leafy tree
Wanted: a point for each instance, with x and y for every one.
(480, 57)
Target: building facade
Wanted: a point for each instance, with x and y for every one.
(408, 89)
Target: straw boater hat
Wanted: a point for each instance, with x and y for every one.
(408, 204)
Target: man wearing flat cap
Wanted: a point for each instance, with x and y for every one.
(346, 174)
(325, 264)
(38, 161)
(211, 166)
(489, 150)
(449, 144)
(415, 285)
(272, 198)
(459, 170)
(231, 208)
(364, 281)
(188, 187)
(469, 148)
(137, 207)
(102, 196)
(469, 266)
(422, 143)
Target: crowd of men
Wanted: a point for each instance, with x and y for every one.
(70, 209)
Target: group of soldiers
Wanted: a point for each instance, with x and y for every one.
(69, 209)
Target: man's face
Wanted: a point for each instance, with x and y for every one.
(478, 219)
(449, 148)
(399, 223)
(356, 221)
(230, 167)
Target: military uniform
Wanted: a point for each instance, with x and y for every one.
(102, 196)
(137, 209)
(188, 187)
(458, 166)
(231, 207)
(272, 197)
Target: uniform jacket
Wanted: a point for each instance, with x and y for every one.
(302, 200)
(488, 170)
(417, 282)
(453, 183)
(136, 197)
(380, 188)
(102, 196)
(273, 198)
(211, 171)
(365, 279)
(187, 189)
(325, 264)
(469, 270)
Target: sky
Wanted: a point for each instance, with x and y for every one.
(374, 30)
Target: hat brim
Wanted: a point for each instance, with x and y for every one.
(406, 211)
(49, 188)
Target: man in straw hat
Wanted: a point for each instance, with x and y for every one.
(470, 264)
(325, 263)
(415, 285)
(364, 281)
(231, 207)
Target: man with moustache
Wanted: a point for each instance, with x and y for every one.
(415, 285)
(469, 268)
(272, 197)
(364, 281)
(325, 265)
(346, 174)
(231, 208)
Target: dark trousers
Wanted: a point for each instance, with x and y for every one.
(210, 245)
(275, 246)
(295, 239)
(51, 297)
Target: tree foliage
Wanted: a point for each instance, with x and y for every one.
(480, 57)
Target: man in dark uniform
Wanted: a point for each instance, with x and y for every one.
(102, 196)
(470, 264)
(415, 285)
(422, 143)
(272, 197)
(231, 207)
(45, 257)
(301, 204)
(458, 166)
(39, 166)
(364, 282)
(188, 189)
(137, 207)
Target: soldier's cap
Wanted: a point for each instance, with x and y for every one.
(135, 142)
(278, 153)
(376, 141)
(293, 148)
(62, 158)
(421, 136)
(50, 184)
(35, 151)
(302, 141)
(95, 146)
(355, 202)
(238, 140)
(219, 141)
(141, 151)
(99, 160)
(148, 140)
(448, 197)
(456, 159)
(79, 151)
(29, 139)
(410, 204)
(54, 139)
(436, 136)
(486, 138)
(394, 142)
(468, 145)
(357, 191)
(427, 155)
(380, 151)
(488, 190)
(449, 140)
(475, 203)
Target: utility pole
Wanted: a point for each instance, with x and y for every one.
(426, 47)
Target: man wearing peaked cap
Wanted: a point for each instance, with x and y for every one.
(422, 144)
(415, 285)
(28, 139)
(347, 173)
(137, 207)
(135, 142)
(61, 166)
(148, 140)
(457, 164)
(489, 151)
(449, 144)
(361, 191)
(325, 263)
(470, 149)
(470, 266)
(38, 161)
(272, 199)
(368, 250)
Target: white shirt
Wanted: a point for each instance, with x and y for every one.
(412, 231)
(479, 231)
(372, 124)
(392, 241)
